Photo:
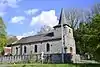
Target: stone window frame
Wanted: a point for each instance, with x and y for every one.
(25, 49)
(35, 48)
(16, 50)
(47, 47)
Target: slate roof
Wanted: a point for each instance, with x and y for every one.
(38, 38)
(63, 18)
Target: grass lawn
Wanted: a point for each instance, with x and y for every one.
(49, 65)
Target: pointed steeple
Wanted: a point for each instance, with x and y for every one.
(62, 19)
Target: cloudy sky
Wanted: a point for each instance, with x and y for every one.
(25, 17)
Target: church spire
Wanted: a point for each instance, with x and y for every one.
(62, 19)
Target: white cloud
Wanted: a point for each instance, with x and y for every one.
(29, 33)
(18, 19)
(10, 3)
(31, 11)
(46, 17)
(26, 34)
(2, 14)
(19, 37)
(3, 7)
(4, 4)
(13, 3)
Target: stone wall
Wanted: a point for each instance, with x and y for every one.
(55, 47)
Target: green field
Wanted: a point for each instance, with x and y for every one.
(49, 65)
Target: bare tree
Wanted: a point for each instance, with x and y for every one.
(73, 16)
(96, 9)
(77, 16)
(45, 29)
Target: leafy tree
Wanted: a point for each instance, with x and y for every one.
(79, 38)
(97, 54)
(87, 37)
(96, 31)
(87, 34)
(3, 33)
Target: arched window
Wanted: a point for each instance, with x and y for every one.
(35, 48)
(24, 49)
(16, 50)
(48, 47)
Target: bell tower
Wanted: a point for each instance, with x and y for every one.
(68, 39)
